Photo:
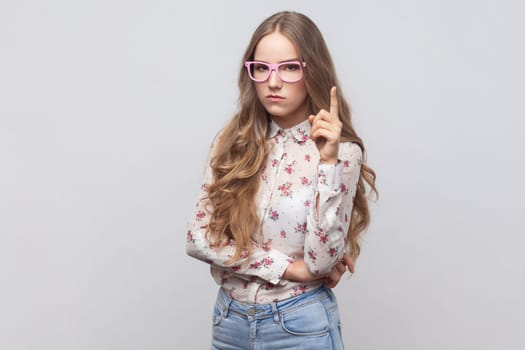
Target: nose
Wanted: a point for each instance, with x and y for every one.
(274, 82)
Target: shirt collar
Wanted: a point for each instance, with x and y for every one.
(301, 131)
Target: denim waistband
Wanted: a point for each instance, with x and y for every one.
(262, 311)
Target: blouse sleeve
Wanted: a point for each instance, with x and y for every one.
(328, 222)
(264, 262)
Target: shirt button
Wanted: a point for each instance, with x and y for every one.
(251, 312)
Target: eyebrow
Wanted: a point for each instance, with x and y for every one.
(287, 60)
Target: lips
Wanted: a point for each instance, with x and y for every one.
(274, 98)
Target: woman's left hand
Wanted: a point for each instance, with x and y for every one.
(326, 130)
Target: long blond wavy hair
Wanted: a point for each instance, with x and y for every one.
(241, 149)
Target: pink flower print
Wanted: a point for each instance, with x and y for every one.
(307, 157)
(289, 168)
(285, 189)
(312, 255)
(301, 228)
(346, 163)
(283, 234)
(274, 162)
(346, 217)
(189, 237)
(236, 268)
(268, 286)
(274, 215)
(303, 135)
(298, 290)
(305, 181)
(255, 265)
(323, 237)
(322, 178)
(267, 245)
(268, 261)
(344, 189)
(200, 215)
(332, 252)
(307, 204)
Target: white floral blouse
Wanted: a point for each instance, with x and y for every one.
(291, 226)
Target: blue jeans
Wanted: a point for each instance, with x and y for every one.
(308, 321)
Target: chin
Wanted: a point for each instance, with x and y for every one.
(276, 111)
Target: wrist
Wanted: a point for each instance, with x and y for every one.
(289, 272)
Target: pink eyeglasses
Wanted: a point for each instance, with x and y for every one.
(289, 72)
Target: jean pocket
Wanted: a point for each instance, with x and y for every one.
(308, 320)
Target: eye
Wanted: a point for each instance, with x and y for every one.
(291, 67)
(260, 67)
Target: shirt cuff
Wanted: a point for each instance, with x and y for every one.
(330, 177)
(277, 263)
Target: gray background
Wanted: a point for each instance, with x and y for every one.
(107, 110)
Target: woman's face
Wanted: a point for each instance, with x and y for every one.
(285, 102)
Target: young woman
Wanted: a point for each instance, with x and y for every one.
(283, 202)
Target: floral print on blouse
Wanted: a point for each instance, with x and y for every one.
(292, 227)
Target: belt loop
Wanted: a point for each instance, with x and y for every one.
(275, 312)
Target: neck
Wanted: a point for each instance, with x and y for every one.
(287, 123)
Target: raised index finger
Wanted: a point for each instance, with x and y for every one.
(333, 101)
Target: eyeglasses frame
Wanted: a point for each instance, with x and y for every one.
(274, 67)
